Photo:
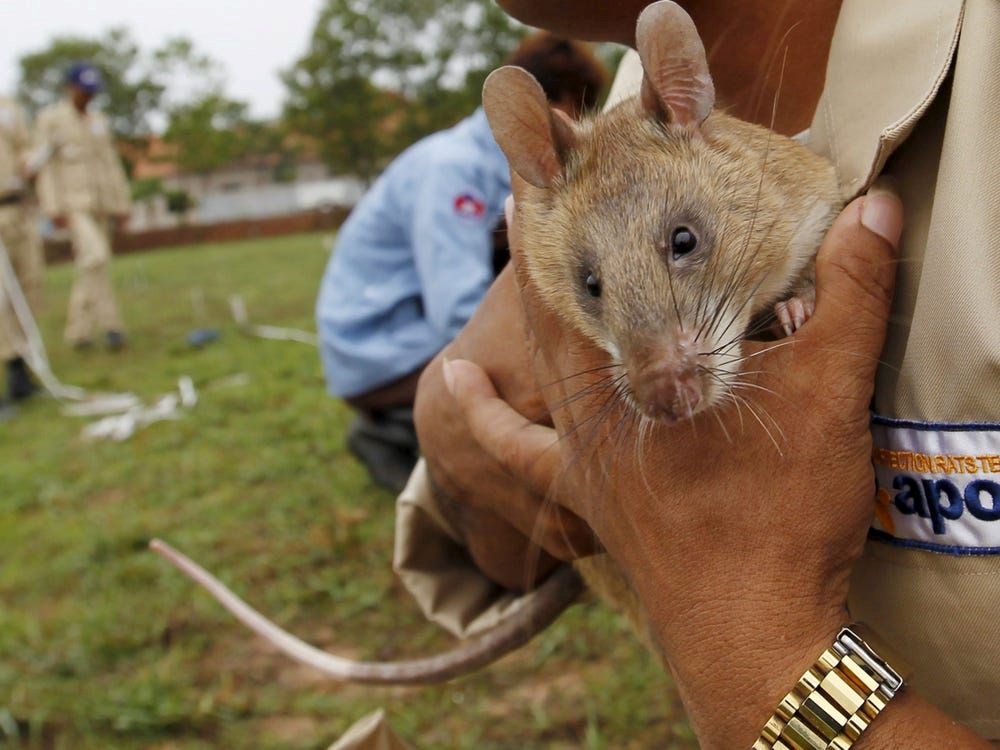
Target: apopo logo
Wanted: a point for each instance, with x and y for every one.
(941, 500)
(938, 485)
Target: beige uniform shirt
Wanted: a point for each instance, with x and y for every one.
(14, 145)
(913, 89)
(83, 172)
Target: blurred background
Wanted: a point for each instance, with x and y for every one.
(229, 111)
(248, 130)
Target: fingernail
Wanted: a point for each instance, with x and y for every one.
(508, 209)
(449, 375)
(882, 213)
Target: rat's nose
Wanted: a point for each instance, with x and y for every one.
(668, 393)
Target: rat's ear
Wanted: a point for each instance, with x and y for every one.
(677, 85)
(534, 137)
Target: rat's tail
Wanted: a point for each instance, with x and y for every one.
(554, 596)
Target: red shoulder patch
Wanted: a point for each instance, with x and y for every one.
(469, 205)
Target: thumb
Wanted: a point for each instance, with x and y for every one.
(527, 451)
(855, 272)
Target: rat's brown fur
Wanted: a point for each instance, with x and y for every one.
(602, 200)
(761, 204)
(766, 199)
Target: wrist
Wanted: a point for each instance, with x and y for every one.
(736, 649)
(733, 677)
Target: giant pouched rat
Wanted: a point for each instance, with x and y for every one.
(660, 229)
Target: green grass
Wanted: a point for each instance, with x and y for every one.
(102, 645)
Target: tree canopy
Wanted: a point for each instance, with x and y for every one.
(379, 74)
(207, 132)
(376, 75)
(139, 86)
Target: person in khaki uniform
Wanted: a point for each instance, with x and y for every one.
(911, 90)
(21, 241)
(83, 187)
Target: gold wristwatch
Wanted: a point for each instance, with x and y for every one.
(836, 700)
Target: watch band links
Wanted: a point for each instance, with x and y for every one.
(834, 701)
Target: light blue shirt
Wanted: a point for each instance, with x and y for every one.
(413, 260)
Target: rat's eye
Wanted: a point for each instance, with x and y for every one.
(682, 242)
(593, 285)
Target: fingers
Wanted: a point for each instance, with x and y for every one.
(855, 270)
(526, 451)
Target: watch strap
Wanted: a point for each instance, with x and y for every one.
(837, 698)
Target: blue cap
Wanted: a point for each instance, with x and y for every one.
(86, 76)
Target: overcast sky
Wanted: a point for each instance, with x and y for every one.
(253, 39)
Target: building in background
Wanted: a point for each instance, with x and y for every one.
(251, 187)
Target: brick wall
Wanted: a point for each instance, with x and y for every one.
(57, 251)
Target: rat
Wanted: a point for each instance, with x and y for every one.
(665, 231)
(662, 230)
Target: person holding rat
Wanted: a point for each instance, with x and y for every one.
(415, 257)
(748, 561)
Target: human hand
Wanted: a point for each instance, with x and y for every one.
(739, 529)
(499, 513)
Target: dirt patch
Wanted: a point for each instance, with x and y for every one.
(289, 730)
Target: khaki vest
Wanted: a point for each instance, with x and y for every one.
(14, 142)
(913, 88)
(83, 172)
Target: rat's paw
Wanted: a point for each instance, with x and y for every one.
(793, 313)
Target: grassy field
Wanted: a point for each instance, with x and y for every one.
(102, 645)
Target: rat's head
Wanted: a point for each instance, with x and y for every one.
(640, 225)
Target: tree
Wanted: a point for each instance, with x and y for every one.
(207, 132)
(131, 94)
(270, 147)
(380, 73)
(137, 85)
(147, 189)
(180, 203)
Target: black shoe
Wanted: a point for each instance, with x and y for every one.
(387, 445)
(116, 340)
(20, 385)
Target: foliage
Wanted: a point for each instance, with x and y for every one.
(179, 202)
(380, 73)
(143, 190)
(215, 131)
(136, 82)
(207, 132)
(376, 76)
(102, 645)
(271, 140)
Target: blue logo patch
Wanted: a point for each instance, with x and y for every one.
(938, 485)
